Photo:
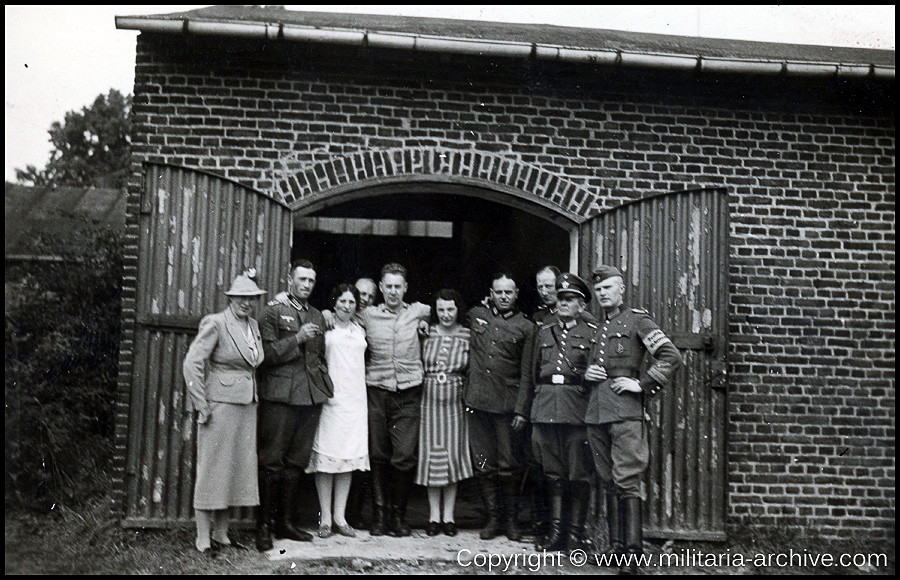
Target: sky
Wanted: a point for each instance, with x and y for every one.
(60, 58)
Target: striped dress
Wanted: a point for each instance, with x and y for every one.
(443, 433)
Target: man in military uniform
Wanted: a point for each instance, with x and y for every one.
(615, 415)
(295, 385)
(561, 356)
(546, 313)
(545, 283)
(500, 372)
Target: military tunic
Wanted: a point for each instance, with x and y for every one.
(559, 441)
(499, 383)
(294, 386)
(615, 421)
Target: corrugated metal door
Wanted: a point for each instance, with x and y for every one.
(197, 232)
(673, 252)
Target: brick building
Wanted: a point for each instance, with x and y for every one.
(456, 146)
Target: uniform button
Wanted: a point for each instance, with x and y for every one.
(559, 369)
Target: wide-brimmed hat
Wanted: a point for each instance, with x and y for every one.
(245, 285)
(569, 283)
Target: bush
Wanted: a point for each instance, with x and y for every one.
(62, 332)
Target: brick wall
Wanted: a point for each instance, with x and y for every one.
(809, 165)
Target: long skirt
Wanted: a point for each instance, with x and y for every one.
(444, 456)
(226, 458)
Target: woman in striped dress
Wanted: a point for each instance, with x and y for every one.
(444, 458)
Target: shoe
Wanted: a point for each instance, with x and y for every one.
(399, 528)
(345, 530)
(432, 529)
(232, 543)
(450, 529)
(325, 531)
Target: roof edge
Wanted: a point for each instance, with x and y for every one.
(627, 58)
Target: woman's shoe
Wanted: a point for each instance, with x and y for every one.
(345, 530)
(232, 543)
(433, 528)
(325, 531)
(450, 529)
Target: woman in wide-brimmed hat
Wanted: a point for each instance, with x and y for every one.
(220, 371)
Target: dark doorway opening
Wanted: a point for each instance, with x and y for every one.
(466, 241)
(484, 237)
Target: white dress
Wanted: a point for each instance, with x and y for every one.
(342, 438)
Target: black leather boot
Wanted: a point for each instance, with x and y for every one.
(539, 515)
(511, 504)
(268, 490)
(285, 526)
(401, 486)
(555, 539)
(634, 535)
(615, 518)
(578, 497)
(379, 500)
(359, 490)
(490, 494)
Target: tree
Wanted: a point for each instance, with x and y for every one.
(89, 145)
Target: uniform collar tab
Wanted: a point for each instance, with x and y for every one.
(297, 304)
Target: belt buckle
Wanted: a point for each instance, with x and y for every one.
(441, 377)
(558, 379)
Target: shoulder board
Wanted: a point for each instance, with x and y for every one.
(639, 311)
(546, 324)
(592, 325)
(273, 303)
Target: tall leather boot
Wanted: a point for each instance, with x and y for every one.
(359, 488)
(265, 513)
(511, 504)
(539, 509)
(490, 494)
(615, 518)
(285, 527)
(578, 496)
(379, 500)
(401, 486)
(555, 539)
(634, 534)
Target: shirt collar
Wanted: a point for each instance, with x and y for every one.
(384, 307)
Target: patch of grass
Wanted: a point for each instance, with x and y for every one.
(91, 541)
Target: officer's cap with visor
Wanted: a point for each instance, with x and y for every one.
(604, 272)
(568, 283)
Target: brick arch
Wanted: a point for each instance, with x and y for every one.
(315, 181)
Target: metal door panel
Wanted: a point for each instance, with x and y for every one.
(673, 252)
(197, 232)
